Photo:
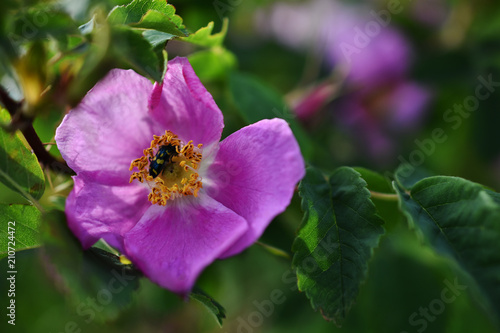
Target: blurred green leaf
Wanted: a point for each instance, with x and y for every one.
(212, 64)
(211, 304)
(407, 175)
(19, 168)
(32, 72)
(97, 60)
(256, 101)
(204, 36)
(94, 280)
(131, 50)
(39, 23)
(87, 28)
(375, 181)
(118, 46)
(336, 240)
(26, 220)
(461, 219)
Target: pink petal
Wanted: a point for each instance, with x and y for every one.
(174, 243)
(109, 128)
(97, 211)
(186, 107)
(254, 174)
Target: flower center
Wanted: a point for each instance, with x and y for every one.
(169, 168)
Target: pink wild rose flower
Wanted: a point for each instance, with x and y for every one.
(153, 180)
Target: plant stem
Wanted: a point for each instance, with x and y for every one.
(274, 250)
(26, 126)
(384, 196)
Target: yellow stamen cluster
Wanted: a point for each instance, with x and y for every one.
(177, 177)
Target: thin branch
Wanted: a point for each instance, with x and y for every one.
(26, 126)
(11, 105)
(384, 196)
(274, 250)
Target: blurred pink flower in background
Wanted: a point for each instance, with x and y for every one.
(360, 43)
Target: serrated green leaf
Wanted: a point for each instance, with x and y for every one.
(383, 196)
(133, 51)
(204, 36)
(212, 64)
(461, 219)
(26, 222)
(137, 9)
(19, 168)
(256, 101)
(154, 20)
(336, 240)
(94, 274)
(211, 304)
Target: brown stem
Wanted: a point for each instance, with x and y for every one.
(26, 126)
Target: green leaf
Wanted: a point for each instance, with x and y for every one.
(204, 36)
(212, 305)
(336, 240)
(39, 23)
(138, 10)
(384, 197)
(154, 20)
(88, 276)
(87, 28)
(19, 168)
(26, 222)
(461, 219)
(133, 51)
(157, 38)
(407, 175)
(212, 64)
(256, 101)
(376, 182)
(32, 73)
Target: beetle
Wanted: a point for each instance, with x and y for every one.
(162, 158)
